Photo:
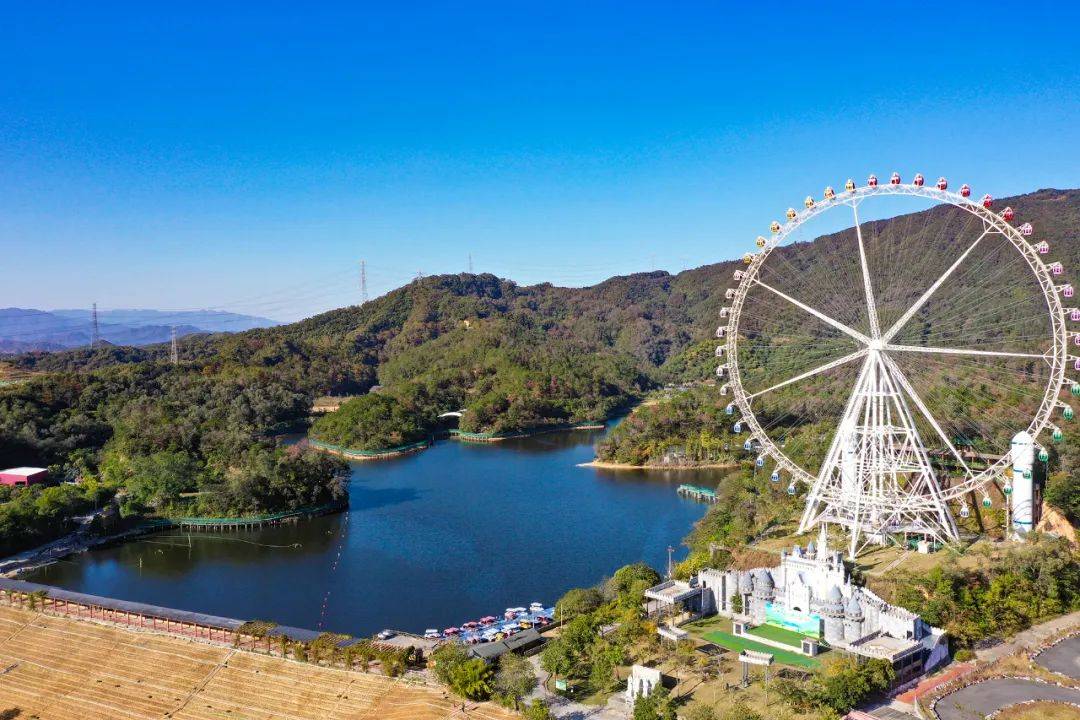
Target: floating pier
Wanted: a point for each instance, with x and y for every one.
(701, 494)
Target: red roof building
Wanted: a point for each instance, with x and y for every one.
(23, 476)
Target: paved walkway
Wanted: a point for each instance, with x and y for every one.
(975, 702)
(1032, 638)
(927, 685)
(1062, 658)
(566, 709)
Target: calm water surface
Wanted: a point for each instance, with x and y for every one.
(431, 539)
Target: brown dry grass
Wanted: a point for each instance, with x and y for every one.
(1041, 711)
(61, 669)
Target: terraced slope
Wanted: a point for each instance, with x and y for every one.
(60, 669)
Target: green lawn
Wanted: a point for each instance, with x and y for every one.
(778, 634)
(738, 644)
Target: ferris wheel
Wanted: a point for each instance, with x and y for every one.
(883, 348)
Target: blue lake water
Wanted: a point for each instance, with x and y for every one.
(431, 540)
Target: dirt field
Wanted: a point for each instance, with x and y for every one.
(58, 669)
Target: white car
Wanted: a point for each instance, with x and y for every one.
(386, 634)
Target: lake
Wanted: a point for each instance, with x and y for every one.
(431, 539)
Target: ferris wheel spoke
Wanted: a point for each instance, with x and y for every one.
(871, 306)
(810, 373)
(962, 351)
(903, 382)
(816, 313)
(931, 290)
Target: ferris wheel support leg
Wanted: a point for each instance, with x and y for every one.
(811, 514)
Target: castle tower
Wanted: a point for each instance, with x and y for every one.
(764, 592)
(746, 592)
(832, 611)
(853, 619)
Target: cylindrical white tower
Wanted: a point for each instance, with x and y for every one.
(1022, 450)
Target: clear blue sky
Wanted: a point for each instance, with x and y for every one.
(208, 156)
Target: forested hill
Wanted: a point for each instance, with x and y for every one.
(515, 357)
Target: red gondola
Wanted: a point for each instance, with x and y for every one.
(918, 181)
(942, 184)
(965, 190)
(987, 201)
(1008, 214)
(872, 181)
(895, 179)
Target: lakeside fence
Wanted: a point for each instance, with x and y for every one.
(271, 639)
(250, 522)
(368, 454)
(495, 437)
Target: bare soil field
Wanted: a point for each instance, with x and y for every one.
(55, 668)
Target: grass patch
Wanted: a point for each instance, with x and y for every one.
(738, 644)
(778, 634)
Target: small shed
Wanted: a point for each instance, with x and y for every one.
(23, 476)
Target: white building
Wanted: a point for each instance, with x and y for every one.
(811, 593)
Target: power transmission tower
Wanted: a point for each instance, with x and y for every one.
(363, 282)
(470, 264)
(174, 351)
(419, 274)
(95, 331)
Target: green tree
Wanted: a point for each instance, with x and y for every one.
(515, 677)
(446, 659)
(537, 710)
(472, 679)
(629, 583)
(578, 601)
(658, 706)
(841, 683)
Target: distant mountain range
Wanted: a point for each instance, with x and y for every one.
(25, 330)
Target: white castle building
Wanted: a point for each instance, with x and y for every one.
(811, 593)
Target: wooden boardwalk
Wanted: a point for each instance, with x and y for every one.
(56, 668)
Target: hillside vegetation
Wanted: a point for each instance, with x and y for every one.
(195, 438)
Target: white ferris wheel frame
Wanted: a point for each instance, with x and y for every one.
(878, 345)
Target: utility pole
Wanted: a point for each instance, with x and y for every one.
(363, 282)
(174, 351)
(95, 331)
(670, 564)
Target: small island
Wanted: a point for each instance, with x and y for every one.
(678, 428)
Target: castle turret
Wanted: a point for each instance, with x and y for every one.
(853, 619)
(764, 592)
(832, 612)
(746, 590)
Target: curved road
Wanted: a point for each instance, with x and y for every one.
(977, 701)
(1062, 658)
